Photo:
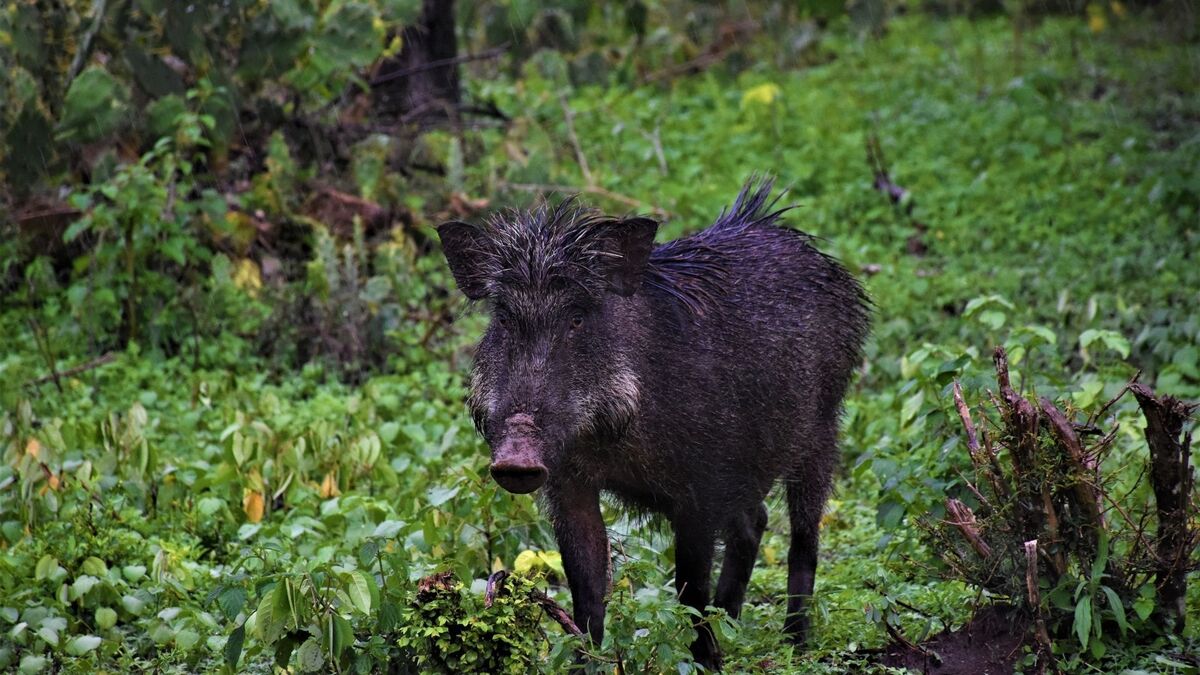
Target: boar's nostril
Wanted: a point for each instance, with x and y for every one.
(519, 477)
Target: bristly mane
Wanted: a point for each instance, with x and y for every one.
(531, 248)
(692, 270)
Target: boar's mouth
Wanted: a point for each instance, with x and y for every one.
(517, 461)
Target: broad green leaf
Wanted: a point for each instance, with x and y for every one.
(1083, 620)
(359, 590)
(233, 646)
(388, 529)
(83, 644)
(231, 601)
(309, 657)
(106, 618)
(94, 106)
(1118, 609)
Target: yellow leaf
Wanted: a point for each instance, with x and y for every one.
(1097, 22)
(763, 94)
(253, 504)
(246, 276)
(329, 486)
(54, 481)
(32, 448)
(1118, 9)
(526, 561)
(497, 564)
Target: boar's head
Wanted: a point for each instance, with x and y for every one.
(554, 367)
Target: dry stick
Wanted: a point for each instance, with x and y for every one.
(108, 357)
(588, 189)
(569, 117)
(1035, 601)
(557, 613)
(1172, 480)
(85, 43)
(1086, 493)
(43, 344)
(453, 61)
(964, 413)
(1058, 559)
(964, 520)
(1021, 421)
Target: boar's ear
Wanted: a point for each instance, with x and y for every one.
(464, 246)
(629, 241)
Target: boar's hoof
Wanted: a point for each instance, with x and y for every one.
(517, 477)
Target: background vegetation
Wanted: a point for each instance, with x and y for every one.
(232, 359)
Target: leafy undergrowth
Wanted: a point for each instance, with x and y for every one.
(211, 510)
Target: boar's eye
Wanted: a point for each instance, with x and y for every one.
(576, 321)
(501, 317)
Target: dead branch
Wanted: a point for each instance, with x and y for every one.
(964, 413)
(587, 189)
(1087, 494)
(963, 518)
(569, 118)
(108, 357)
(1172, 480)
(727, 39)
(1035, 597)
(493, 53)
(557, 613)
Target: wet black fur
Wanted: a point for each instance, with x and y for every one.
(742, 338)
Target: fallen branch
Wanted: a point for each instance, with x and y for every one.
(587, 189)
(495, 52)
(72, 372)
(557, 613)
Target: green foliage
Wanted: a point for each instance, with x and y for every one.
(264, 475)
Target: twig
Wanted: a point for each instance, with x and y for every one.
(43, 344)
(85, 42)
(964, 520)
(1086, 493)
(715, 53)
(1035, 601)
(882, 180)
(557, 613)
(655, 139)
(495, 52)
(587, 189)
(569, 117)
(964, 413)
(108, 357)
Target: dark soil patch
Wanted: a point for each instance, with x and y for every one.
(988, 645)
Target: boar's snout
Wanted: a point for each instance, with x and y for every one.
(517, 461)
(518, 467)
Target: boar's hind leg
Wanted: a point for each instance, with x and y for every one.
(741, 550)
(583, 543)
(694, 543)
(806, 500)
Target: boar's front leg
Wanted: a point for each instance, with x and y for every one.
(694, 543)
(583, 543)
